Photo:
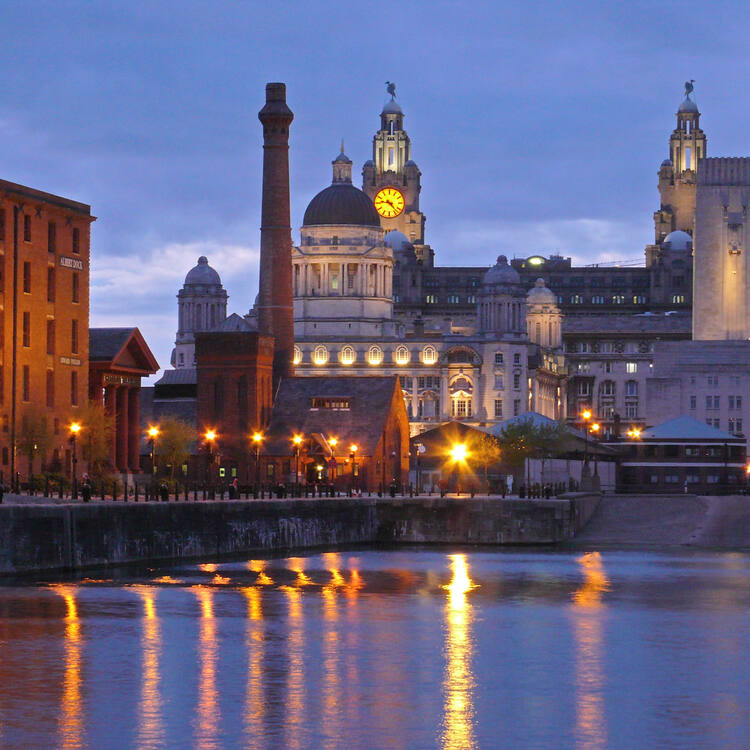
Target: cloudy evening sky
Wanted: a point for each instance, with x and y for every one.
(538, 127)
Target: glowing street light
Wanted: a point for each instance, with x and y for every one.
(75, 428)
(459, 453)
(297, 442)
(257, 438)
(153, 433)
(634, 433)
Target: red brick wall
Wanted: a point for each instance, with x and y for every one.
(66, 215)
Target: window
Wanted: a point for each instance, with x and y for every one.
(631, 388)
(429, 355)
(498, 358)
(453, 299)
(25, 384)
(401, 355)
(74, 388)
(431, 299)
(730, 425)
(576, 299)
(50, 284)
(50, 388)
(499, 383)
(738, 402)
(26, 330)
(76, 240)
(516, 407)
(406, 382)
(75, 287)
(691, 451)
(713, 380)
(498, 408)
(472, 299)
(330, 403)
(348, 355)
(631, 367)
(2, 224)
(639, 299)
(50, 337)
(320, 355)
(631, 409)
(709, 402)
(516, 359)
(678, 299)
(51, 237)
(26, 228)
(375, 355)
(297, 355)
(618, 299)
(74, 336)
(26, 277)
(693, 402)
(717, 402)
(597, 299)
(738, 426)
(516, 381)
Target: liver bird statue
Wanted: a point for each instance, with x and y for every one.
(391, 89)
(689, 87)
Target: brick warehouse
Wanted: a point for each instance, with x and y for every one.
(44, 319)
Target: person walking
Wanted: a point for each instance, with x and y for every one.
(86, 488)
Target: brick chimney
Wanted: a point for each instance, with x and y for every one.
(275, 311)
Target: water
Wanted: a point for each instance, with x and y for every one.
(386, 649)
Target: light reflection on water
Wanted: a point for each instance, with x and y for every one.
(407, 649)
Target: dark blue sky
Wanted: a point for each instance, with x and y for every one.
(538, 127)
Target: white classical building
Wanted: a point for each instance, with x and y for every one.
(343, 310)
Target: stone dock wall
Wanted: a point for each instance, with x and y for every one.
(35, 538)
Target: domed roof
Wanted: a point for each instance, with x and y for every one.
(688, 105)
(397, 240)
(678, 240)
(391, 107)
(410, 163)
(667, 163)
(539, 294)
(202, 274)
(341, 203)
(501, 273)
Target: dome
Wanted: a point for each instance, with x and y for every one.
(688, 106)
(396, 240)
(502, 273)
(391, 107)
(678, 240)
(341, 203)
(539, 294)
(667, 163)
(202, 274)
(410, 163)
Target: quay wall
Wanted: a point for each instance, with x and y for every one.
(36, 537)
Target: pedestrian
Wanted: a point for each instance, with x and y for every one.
(164, 492)
(86, 488)
(235, 489)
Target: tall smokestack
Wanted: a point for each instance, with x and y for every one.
(275, 310)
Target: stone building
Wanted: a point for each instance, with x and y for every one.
(44, 244)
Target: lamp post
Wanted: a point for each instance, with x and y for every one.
(297, 442)
(257, 440)
(332, 442)
(595, 431)
(210, 436)
(355, 468)
(585, 416)
(75, 428)
(153, 433)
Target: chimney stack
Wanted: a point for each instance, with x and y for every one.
(275, 306)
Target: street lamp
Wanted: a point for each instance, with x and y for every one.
(75, 428)
(353, 448)
(459, 454)
(153, 433)
(586, 415)
(210, 436)
(595, 430)
(257, 440)
(297, 441)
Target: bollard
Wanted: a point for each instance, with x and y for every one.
(46, 486)
(135, 497)
(204, 493)
(186, 492)
(60, 489)
(114, 492)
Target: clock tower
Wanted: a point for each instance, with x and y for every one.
(392, 180)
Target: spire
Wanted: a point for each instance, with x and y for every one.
(342, 167)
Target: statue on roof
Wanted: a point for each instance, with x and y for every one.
(689, 87)
(390, 87)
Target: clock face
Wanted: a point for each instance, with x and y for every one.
(389, 202)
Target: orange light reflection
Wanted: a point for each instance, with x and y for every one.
(150, 726)
(254, 701)
(70, 724)
(295, 683)
(259, 567)
(206, 721)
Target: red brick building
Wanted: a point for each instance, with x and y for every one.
(233, 389)
(331, 415)
(44, 319)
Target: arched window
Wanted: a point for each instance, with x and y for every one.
(347, 355)
(429, 355)
(402, 355)
(297, 355)
(375, 355)
(320, 355)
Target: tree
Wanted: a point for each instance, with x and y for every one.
(517, 442)
(35, 437)
(173, 443)
(550, 440)
(486, 451)
(96, 436)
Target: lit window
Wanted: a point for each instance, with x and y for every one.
(678, 299)
(498, 408)
(402, 355)
(431, 299)
(429, 355)
(631, 367)
(618, 299)
(320, 355)
(348, 355)
(297, 355)
(375, 355)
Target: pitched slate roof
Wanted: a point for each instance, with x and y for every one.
(234, 322)
(107, 343)
(686, 428)
(362, 423)
(181, 376)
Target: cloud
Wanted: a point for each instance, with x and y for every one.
(584, 240)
